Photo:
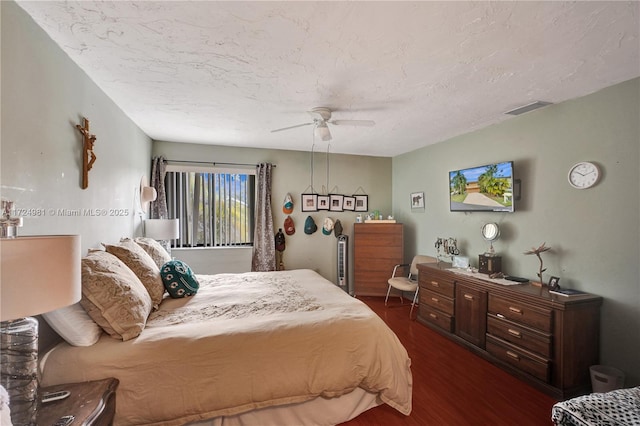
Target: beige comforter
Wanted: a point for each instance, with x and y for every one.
(244, 341)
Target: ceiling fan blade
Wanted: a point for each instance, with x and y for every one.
(291, 127)
(362, 123)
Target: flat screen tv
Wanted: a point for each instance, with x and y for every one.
(482, 189)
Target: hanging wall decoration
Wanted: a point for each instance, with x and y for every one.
(417, 200)
(336, 202)
(362, 203)
(323, 202)
(88, 156)
(348, 203)
(309, 202)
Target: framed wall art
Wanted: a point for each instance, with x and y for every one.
(335, 203)
(309, 202)
(417, 200)
(361, 203)
(323, 202)
(349, 203)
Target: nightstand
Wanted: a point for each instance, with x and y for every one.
(92, 403)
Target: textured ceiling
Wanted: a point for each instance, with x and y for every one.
(228, 73)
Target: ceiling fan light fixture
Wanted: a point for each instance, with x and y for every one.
(322, 131)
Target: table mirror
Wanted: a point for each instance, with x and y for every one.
(490, 232)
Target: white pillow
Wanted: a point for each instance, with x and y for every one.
(74, 325)
(5, 412)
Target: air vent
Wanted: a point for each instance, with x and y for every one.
(527, 108)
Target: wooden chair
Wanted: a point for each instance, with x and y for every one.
(408, 282)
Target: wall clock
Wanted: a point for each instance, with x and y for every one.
(583, 175)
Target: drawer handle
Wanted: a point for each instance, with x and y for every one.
(515, 310)
(434, 316)
(513, 355)
(500, 316)
(468, 296)
(514, 333)
(435, 299)
(435, 283)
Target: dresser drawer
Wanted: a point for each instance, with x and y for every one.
(437, 318)
(437, 284)
(534, 341)
(538, 318)
(517, 357)
(437, 301)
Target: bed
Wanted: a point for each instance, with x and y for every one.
(263, 348)
(614, 408)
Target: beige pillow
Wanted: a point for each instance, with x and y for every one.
(113, 296)
(142, 265)
(154, 249)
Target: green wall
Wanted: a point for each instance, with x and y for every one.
(348, 174)
(44, 95)
(594, 233)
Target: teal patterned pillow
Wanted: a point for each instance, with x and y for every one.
(178, 279)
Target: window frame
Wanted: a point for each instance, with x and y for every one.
(183, 242)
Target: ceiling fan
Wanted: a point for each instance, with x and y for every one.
(321, 117)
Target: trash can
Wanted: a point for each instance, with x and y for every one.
(605, 378)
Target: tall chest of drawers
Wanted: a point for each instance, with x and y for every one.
(546, 340)
(378, 247)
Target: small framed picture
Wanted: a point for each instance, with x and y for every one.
(309, 202)
(417, 200)
(323, 202)
(553, 283)
(361, 203)
(349, 203)
(335, 203)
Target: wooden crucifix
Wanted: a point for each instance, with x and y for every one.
(88, 156)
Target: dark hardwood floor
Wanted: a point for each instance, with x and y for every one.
(452, 386)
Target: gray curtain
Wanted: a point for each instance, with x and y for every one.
(159, 206)
(264, 250)
(158, 171)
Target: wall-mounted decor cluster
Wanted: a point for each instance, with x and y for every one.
(334, 202)
(88, 156)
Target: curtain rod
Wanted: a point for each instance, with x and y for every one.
(214, 163)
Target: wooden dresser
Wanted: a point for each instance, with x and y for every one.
(378, 247)
(546, 340)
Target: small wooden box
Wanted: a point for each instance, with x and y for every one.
(489, 264)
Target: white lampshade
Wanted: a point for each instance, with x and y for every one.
(147, 195)
(39, 274)
(162, 229)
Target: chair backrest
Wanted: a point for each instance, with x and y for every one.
(413, 271)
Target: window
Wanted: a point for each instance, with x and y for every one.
(215, 207)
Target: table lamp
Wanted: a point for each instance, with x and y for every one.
(38, 274)
(162, 230)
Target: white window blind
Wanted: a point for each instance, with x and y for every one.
(215, 206)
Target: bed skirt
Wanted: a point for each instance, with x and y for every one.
(317, 412)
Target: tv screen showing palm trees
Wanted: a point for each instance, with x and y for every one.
(484, 188)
